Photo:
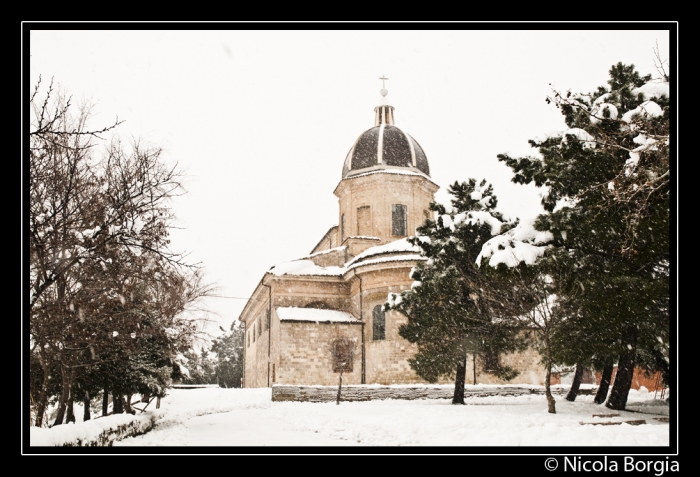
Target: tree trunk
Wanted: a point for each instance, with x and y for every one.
(340, 386)
(145, 397)
(127, 404)
(474, 367)
(460, 379)
(575, 384)
(604, 385)
(65, 394)
(105, 401)
(625, 370)
(86, 406)
(40, 410)
(117, 404)
(42, 401)
(551, 406)
(70, 409)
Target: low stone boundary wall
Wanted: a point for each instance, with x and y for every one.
(281, 392)
(100, 432)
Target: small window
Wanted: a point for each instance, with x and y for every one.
(378, 323)
(253, 332)
(342, 227)
(267, 319)
(398, 220)
(248, 338)
(260, 326)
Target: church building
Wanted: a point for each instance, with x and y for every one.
(300, 307)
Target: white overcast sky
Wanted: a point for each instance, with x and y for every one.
(261, 121)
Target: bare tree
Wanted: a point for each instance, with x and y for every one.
(530, 295)
(102, 276)
(81, 201)
(342, 351)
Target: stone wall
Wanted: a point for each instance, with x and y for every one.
(370, 393)
(379, 191)
(526, 362)
(304, 355)
(386, 361)
(256, 344)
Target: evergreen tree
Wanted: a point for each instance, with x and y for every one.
(607, 191)
(229, 352)
(447, 317)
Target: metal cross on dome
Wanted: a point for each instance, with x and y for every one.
(383, 78)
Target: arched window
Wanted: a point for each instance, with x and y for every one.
(378, 323)
(398, 220)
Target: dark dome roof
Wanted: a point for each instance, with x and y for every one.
(385, 146)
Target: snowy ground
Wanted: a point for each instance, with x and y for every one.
(247, 417)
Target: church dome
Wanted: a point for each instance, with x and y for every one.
(385, 147)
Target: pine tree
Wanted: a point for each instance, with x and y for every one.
(446, 317)
(229, 352)
(607, 191)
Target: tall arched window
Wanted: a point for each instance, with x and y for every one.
(378, 323)
(398, 220)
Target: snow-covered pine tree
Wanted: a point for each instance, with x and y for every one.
(607, 184)
(446, 317)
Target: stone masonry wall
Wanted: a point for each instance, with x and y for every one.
(304, 356)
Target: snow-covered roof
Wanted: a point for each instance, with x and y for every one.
(397, 246)
(390, 258)
(398, 250)
(314, 314)
(305, 267)
(364, 237)
(330, 250)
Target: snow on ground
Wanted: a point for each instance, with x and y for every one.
(247, 417)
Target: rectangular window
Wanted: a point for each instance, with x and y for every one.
(273, 372)
(253, 332)
(398, 220)
(267, 319)
(342, 227)
(260, 328)
(364, 221)
(248, 338)
(378, 323)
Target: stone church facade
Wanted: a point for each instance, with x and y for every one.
(300, 307)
